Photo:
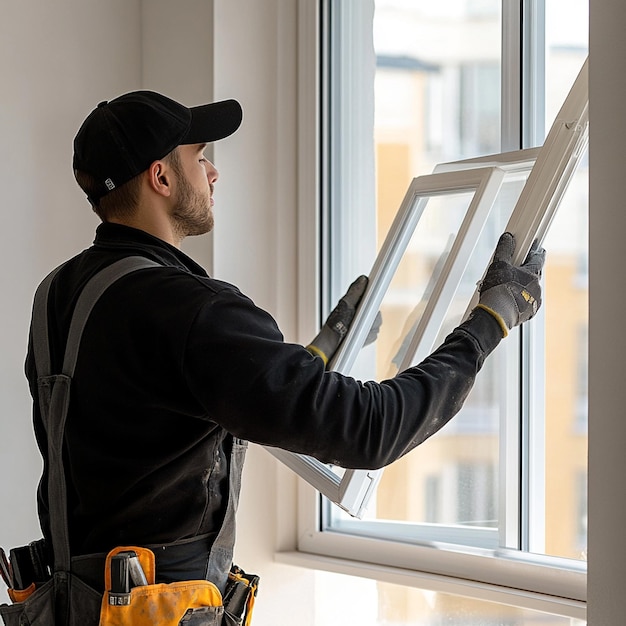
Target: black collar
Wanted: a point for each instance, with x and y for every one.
(133, 240)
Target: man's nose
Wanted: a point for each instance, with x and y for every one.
(211, 172)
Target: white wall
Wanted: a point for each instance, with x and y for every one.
(59, 60)
(607, 302)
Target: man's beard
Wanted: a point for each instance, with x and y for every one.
(192, 213)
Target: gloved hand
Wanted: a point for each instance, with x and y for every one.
(512, 294)
(338, 322)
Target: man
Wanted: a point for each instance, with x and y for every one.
(176, 370)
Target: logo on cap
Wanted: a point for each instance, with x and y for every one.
(110, 184)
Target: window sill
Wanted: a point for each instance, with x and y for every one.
(545, 603)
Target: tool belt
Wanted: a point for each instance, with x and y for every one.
(43, 589)
(131, 596)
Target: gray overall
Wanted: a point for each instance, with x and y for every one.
(66, 599)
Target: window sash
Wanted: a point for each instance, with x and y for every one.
(352, 491)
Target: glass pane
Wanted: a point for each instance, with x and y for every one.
(566, 333)
(453, 478)
(437, 90)
(370, 603)
(437, 99)
(566, 309)
(410, 288)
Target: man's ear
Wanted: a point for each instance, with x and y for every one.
(160, 178)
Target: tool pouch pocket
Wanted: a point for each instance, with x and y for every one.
(188, 603)
(185, 603)
(62, 594)
(239, 597)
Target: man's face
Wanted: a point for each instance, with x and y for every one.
(192, 213)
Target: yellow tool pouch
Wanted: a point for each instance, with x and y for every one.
(188, 603)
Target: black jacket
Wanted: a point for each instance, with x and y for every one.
(172, 360)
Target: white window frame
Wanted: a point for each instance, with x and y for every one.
(531, 581)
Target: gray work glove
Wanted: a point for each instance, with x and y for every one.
(512, 294)
(338, 322)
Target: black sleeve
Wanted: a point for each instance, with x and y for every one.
(267, 391)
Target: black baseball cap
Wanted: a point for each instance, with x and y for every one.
(122, 137)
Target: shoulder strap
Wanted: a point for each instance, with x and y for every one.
(86, 301)
(54, 389)
(39, 325)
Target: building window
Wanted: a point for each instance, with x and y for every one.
(408, 86)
